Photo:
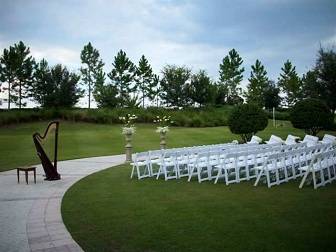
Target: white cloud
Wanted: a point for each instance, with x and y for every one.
(330, 41)
(55, 54)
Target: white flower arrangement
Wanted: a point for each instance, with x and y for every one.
(235, 142)
(128, 121)
(128, 130)
(163, 130)
(164, 123)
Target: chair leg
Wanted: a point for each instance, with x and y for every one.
(191, 173)
(218, 175)
(158, 174)
(258, 178)
(268, 178)
(138, 172)
(18, 176)
(132, 172)
(35, 176)
(304, 179)
(26, 173)
(314, 179)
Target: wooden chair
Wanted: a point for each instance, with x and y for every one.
(26, 169)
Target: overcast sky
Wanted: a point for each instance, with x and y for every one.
(193, 33)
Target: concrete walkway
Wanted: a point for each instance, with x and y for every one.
(30, 215)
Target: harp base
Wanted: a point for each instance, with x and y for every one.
(54, 178)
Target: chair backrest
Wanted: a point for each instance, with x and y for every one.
(327, 155)
(141, 156)
(255, 140)
(291, 139)
(328, 139)
(275, 140)
(155, 154)
(310, 140)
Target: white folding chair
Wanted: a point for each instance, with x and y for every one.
(154, 157)
(204, 165)
(275, 140)
(255, 140)
(274, 169)
(228, 168)
(183, 159)
(141, 165)
(290, 140)
(328, 139)
(322, 167)
(168, 166)
(310, 140)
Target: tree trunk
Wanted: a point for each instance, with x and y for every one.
(89, 95)
(9, 97)
(89, 89)
(143, 99)
(20, 94)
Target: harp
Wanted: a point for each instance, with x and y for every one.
(50, 168)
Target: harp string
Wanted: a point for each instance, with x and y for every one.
(48, 141)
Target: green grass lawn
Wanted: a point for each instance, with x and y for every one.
(109, 212)
(79, 140)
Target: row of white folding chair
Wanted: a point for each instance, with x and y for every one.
(206, 162)
(243, 165)
(177, 162)
(144, 161)
(236, 167)
(322, 167)
(284, 166)
(209, 163)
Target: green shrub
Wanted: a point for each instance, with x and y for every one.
(312, 115)
(246, 120)
(192, 117)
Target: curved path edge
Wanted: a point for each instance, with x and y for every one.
(30, 215)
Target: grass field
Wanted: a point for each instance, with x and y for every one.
(109, 212)
(79, 140)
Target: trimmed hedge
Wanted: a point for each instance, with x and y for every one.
(246, 120)
(205, 117)
(312, 115)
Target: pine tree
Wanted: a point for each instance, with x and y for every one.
(326, 72)
(231, 74)
(289, 83)
(105, 94)
(311, 87)
(122, 76)
(92, 65)
(8, 66)
(23, 73)
(16, 68)
(144, 79)
(43, 91)
(257, 84)
(271, 95)
(157, 89)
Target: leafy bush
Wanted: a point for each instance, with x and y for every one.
(312, 115)
(246, 120)
(208, 117)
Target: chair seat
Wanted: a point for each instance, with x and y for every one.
(140, 163)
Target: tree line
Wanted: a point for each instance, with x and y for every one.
(132, 85)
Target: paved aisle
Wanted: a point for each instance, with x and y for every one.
(30, 215)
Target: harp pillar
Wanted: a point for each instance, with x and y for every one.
(50, 168)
